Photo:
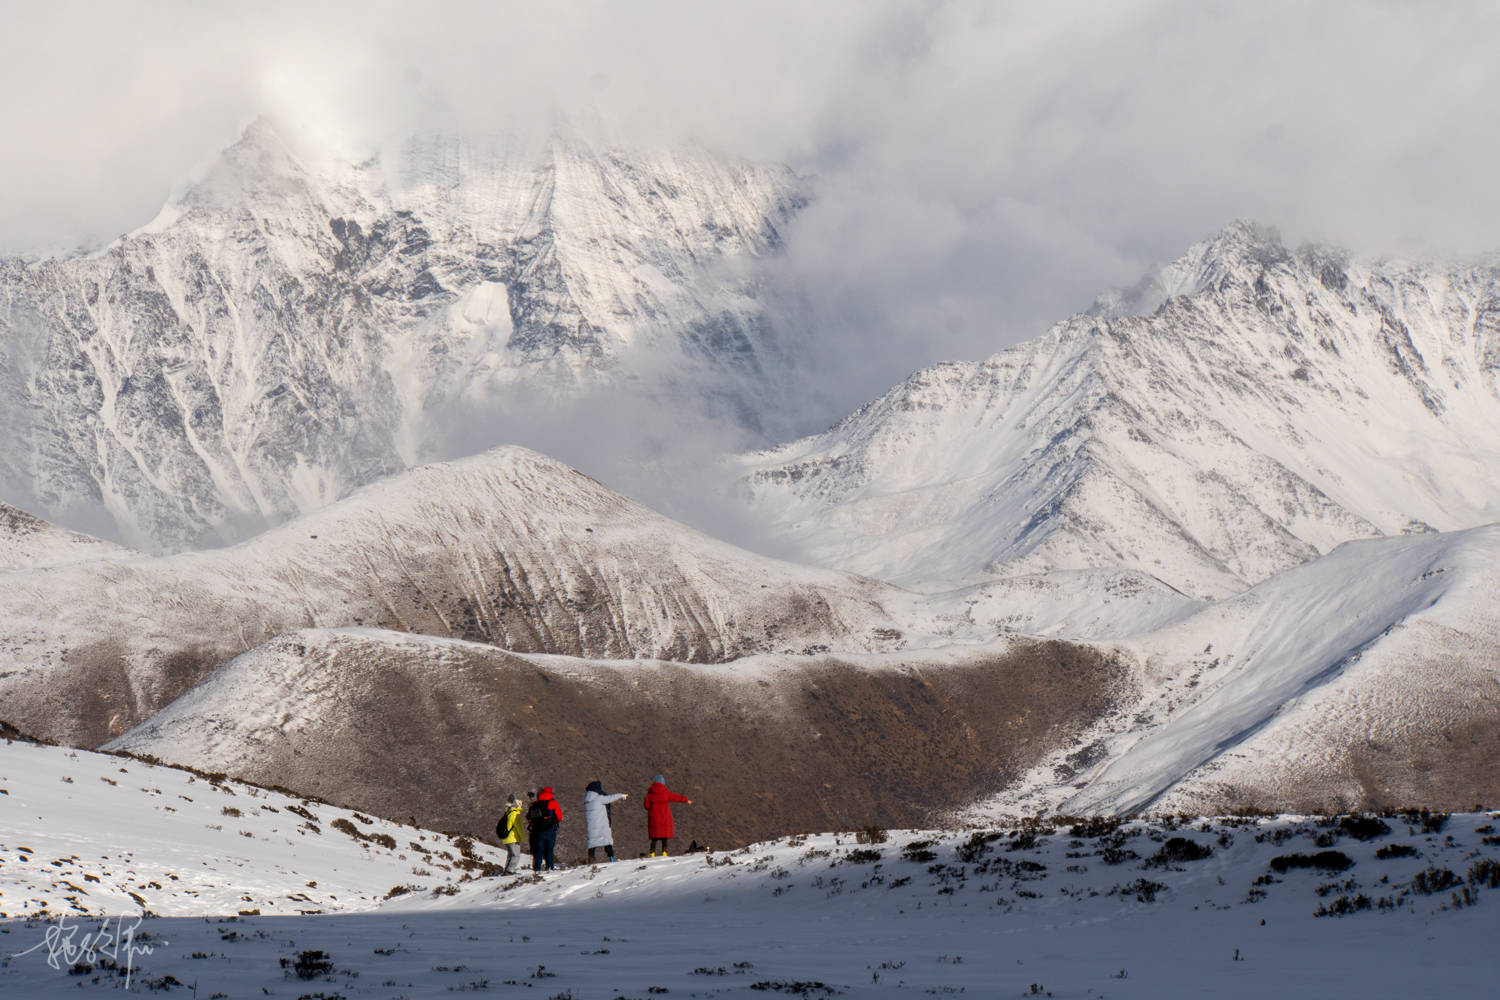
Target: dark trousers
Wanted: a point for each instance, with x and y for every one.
(546, 843)
(609, 852)
(659, 840)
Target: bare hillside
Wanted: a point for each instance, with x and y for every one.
(508, 548)
(442, 731)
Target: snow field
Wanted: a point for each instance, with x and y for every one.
(1243, 907)
(91, 834)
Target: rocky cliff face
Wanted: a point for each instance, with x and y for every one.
(293, 327)
(1270, 404)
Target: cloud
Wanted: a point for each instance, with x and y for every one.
(982, 169)
(1120, 118)
(1023, 159)
(667, 453)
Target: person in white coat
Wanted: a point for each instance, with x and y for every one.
(596, 816)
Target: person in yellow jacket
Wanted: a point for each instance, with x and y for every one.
(511, 828)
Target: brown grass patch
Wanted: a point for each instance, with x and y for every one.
(831, 746)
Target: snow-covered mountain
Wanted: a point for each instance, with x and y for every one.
(508, 547)
(418, 605)
(1366, 679)
(1272, 404)
(295, 325)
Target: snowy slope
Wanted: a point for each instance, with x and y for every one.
(1122, 911)
(1367, 678)
(1088, 604)
(27, 541)
(764, 744)
(1363, 678)
(1277, 404)
(296, 325)
(88, 833)
(508, 547)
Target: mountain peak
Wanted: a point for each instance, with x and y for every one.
(1242, 244)
(260, 165)
(262, 131)
(302, 321)
(1243, 235)
(1239, 412)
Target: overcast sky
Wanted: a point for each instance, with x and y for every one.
(982, 169)
(987, 165)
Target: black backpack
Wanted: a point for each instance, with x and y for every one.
(540, 816)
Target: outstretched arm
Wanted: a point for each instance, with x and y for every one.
(674, 797)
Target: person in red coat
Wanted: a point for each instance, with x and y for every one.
(658, 803)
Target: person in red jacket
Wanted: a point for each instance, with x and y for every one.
(542, 819)
(658, 803)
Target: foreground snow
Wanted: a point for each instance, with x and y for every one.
(1096, 910)
(88, 834)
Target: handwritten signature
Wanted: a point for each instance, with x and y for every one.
(68, 943)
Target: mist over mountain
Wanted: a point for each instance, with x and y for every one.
(296, 325)
(299, 326)
(1237, 413)
(863, 414)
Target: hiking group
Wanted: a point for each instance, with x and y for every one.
(539, 820)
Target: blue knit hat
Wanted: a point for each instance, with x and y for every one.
(660, 779)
